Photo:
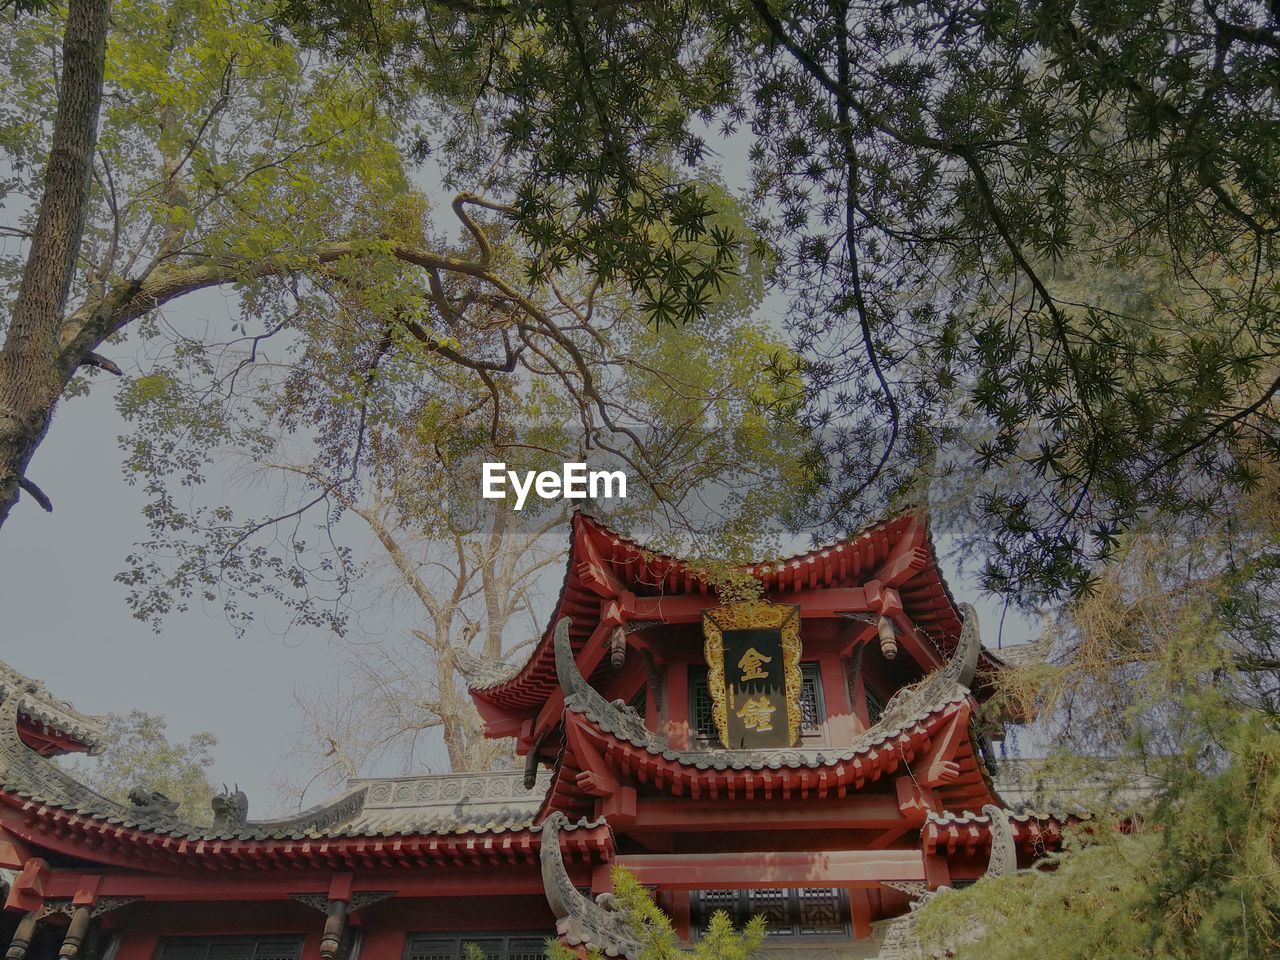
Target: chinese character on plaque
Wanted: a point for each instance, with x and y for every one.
(753, 672)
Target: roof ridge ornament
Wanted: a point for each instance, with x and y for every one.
(230, 808)
(153, 804)
(1004, 855)
(481, 673)
(964, 662)
(43, 707)
(581, 697)
(581, 921)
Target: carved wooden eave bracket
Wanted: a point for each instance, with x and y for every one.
(581, 921)
(337, 906)
(80, 911)
(66, 906)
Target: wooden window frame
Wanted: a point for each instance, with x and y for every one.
(699, 916)
(458, 940)
(296, 940)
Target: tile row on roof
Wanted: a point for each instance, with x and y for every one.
(438, 806)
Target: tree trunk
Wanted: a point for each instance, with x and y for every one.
(31, 377)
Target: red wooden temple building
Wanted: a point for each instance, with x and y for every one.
(827, 777)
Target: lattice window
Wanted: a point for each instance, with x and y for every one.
(700, 705)
(875, 705)
(423, 948)
(184, 950)
(771, 904)
(823, 911)
(707, 903)
(527, 948)
(809, 913)
(230, 948)
(813, 712)
(452, 946)
(240, 950)
(492, 949)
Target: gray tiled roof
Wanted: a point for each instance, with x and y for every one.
(484, 674)
(46, 709)
(433, 805)
(448, 803)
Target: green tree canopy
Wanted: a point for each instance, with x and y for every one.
(379, 346)
(137, 753)
(1166, 675)
(933, 178)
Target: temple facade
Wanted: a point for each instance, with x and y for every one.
(817, 753)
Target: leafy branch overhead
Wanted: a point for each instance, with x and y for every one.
(369, 339)
(936, 181)
(1026, 252)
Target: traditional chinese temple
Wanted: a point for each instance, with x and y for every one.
(817, 753)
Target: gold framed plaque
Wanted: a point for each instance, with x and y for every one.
(753, 672)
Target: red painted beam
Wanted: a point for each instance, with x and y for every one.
(30, 886)
(835, 868)
(46, 741)
(478, 881)
(595, 573)
(852, 813)
(13, 852)
(908, 556)
(687, 608)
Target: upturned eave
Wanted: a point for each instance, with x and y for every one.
(603, 565)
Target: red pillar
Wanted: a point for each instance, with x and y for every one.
(678, 705)
(842, 722)
(678, 911)
(382, 943)
(936, 872)
(860, 911)
(137, 946)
